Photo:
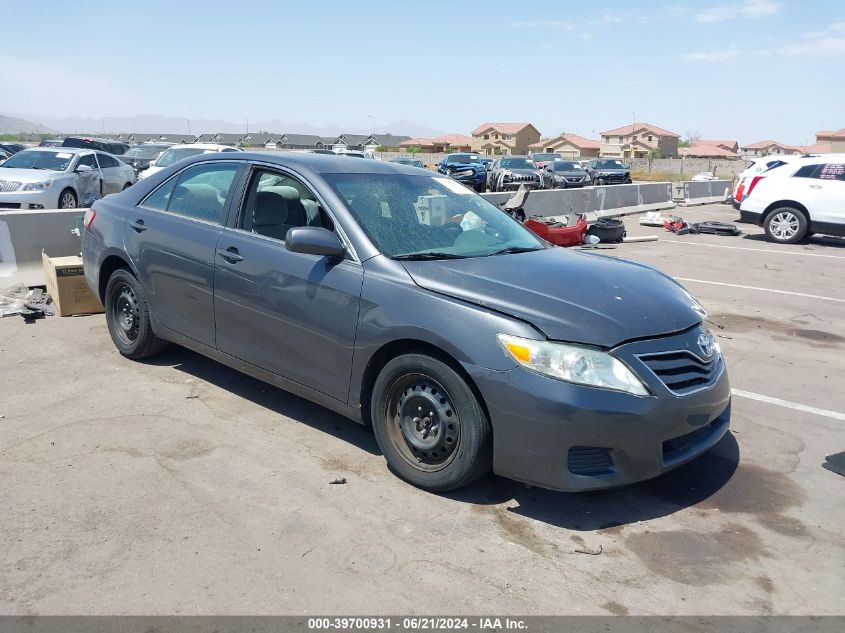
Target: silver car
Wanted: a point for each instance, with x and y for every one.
(60, 178)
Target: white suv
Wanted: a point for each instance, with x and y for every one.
(798, 199)
(755, 168)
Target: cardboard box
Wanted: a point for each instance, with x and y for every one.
(66, 285)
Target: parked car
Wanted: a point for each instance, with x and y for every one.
(509, 172)
(12, 148)
(466, 168)
(60, 177)
(608, 171)
(798, 199)
(561, 174)
(103, 144)
(141, 156)
(755, 168)
(353, 153)
(487, 162)
(467, 342)
(411, 162)
(51, 142)
(541, 159)
(179, 152)
(4, 156)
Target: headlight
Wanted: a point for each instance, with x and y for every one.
(572, 363)
(37, 186)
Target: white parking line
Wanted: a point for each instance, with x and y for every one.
(790, 405)
(780, 292)
(758, 250)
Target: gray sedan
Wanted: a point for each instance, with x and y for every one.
(405, 301)
(560, 174)
(60, 177)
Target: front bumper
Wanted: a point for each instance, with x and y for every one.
(515, 184)
(30, 200)
(568, 437)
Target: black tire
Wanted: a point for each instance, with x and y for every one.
(128, 317)
(447, 448)
(785, 225)
(68, 199)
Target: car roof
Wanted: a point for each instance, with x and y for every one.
(63, 150)
(314, 163)
(203, 146)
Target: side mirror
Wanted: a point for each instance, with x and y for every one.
(83, 169)
(314, 240)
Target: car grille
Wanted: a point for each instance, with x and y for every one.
(9, 185)
(589, 461)
(574, 179)
(521, 178)
(682, 372)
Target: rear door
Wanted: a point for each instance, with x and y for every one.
(289, 313)
(114, 178)
(171, 238)
(824, 188)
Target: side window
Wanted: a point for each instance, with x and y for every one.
(832, 171)
(88, 159)
(807, 171)
(106, 161)
(199, 192)
(276, 203)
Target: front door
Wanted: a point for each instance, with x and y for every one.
(171, 238)
(114, 178)
(289, 313)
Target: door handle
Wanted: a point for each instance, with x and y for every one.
(815, 186)
(138, 225)
(230, 254)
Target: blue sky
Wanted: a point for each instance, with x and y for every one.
(744, 69)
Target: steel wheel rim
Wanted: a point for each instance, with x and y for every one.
(422, 422)
(126, 314)
(784, 225)
(67, 201)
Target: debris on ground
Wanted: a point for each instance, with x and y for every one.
(641, 238)
(653, 218)
(589, 551)
(835, 463)
(339, 480)
(30, 304)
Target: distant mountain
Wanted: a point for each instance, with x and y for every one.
(151, 123)
(15, 125)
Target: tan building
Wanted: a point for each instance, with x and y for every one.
(447, 143)
(834, 140)
(767, 148)
(504, 138)
(636, 140)
(568, 146)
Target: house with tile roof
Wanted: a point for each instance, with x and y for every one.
(636, 140)
(504, 138)
(709, 149)
(568, 145)
(834, 140)
(445, 143)
(767, 148)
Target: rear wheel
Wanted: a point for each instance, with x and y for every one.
(786, 225)
(429, 425)
(128, 317)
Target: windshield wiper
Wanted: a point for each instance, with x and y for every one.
(515, 249)
(427, 255)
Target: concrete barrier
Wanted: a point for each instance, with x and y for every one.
(24, 234)
(692, 192)
(596, 202)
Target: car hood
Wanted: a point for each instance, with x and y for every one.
(569, 296)
(30, 175)
(571, 173)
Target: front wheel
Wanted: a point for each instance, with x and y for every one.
(128, 317)
(785, 225)
(67, 199)
(429, 425)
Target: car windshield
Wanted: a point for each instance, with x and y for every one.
(175, 154)
(144, 151)
(518, 163)
(429, 217)
(609, 164)
(563, 165)
(463, 158)
(542, 158)
(39, 159)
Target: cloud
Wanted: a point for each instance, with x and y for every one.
(746, 9)
(712, 56)
(827, 43)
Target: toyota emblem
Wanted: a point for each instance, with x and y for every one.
(707, 344)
